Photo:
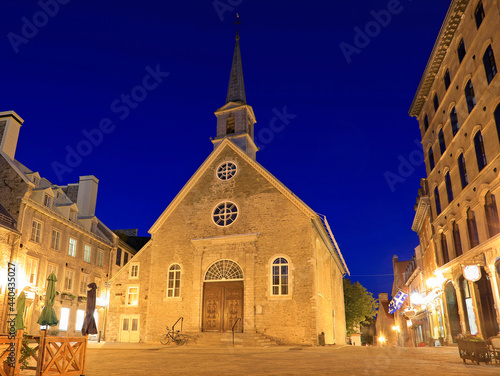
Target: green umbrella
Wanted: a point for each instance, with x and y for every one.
(21, 303)
(48, 316)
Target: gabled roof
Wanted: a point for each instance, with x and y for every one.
(227, 143)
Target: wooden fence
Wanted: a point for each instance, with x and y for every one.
(61, 356)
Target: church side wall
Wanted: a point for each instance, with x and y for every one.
(118, 307)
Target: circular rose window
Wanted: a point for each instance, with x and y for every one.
(225, 213)
(226, 171)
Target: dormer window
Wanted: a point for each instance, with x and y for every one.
(72, 215)
(93, 227)
(230, 124)
(36, 181)
(47, 201)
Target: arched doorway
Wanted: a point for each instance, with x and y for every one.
(487, 311)
(222, 297)
(452, 306)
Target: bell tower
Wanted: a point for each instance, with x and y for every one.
(235, 120)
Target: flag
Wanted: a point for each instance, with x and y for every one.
(397, 301)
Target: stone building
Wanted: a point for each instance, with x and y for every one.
(457, 105)
(235, 243)
(53, 230)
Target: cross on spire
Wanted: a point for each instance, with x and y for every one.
(237, 23)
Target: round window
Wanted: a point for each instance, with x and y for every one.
(225, 213)
(226, 171)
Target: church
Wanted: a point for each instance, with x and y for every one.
(235, 247)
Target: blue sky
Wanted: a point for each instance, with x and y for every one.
(348, 71)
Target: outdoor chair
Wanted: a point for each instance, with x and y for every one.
(494, 345)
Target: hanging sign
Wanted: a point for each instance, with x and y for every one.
(472, 273)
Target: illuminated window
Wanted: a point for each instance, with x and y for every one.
(31, 270)
(72, 247)
(230, 124)
(55, 241)
(80, 317)
(100, 258)
(83, 284)
(134, 270)
(87, 251)
(69, 280)
(36, 231)
(174, 281)
(280, 276)
(64, 320)
(492, 219)
(133, 296)
(472, 227)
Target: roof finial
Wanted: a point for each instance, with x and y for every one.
(237, 23)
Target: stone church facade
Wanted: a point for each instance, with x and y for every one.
(234, 243)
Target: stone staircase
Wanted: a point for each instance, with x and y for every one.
(207, 339)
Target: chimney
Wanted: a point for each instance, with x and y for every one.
(10, 124)
(395, 260)
(383, 297)
(87, 195)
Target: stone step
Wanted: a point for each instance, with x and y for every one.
(226, 339)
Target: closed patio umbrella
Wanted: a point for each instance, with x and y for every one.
(89, 326)
(21, 304)
(48, 316)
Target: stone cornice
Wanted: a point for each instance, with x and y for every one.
(423, 206)
(445, 36)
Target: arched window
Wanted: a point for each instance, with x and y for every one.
(469, 96)
(496, 115)
(436, 102)
(479, 14)
(472, 227)
(230, 124)
(224, 270)
(280, 276)
(463, 171)
(442, 143)
(456, 239)
(447, 80)
(449, 189)
(461, 50)
(174, 281)
(431, 158)
(437, 200)
(444, 249)
(490, 66)
(454, 121)
(480, 153)
(426, 122)
(490, 207)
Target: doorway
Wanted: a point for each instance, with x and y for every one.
(453, 316)
(487, 310)
(129, 328)
(222, 306)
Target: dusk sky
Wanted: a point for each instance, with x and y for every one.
(346, 127)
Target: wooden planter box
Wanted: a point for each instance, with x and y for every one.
(476, 351)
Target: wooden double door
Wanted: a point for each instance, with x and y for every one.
(222, 305)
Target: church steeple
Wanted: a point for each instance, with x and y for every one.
(236, 88)
(235, 120)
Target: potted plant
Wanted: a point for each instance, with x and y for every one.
(473, 347)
